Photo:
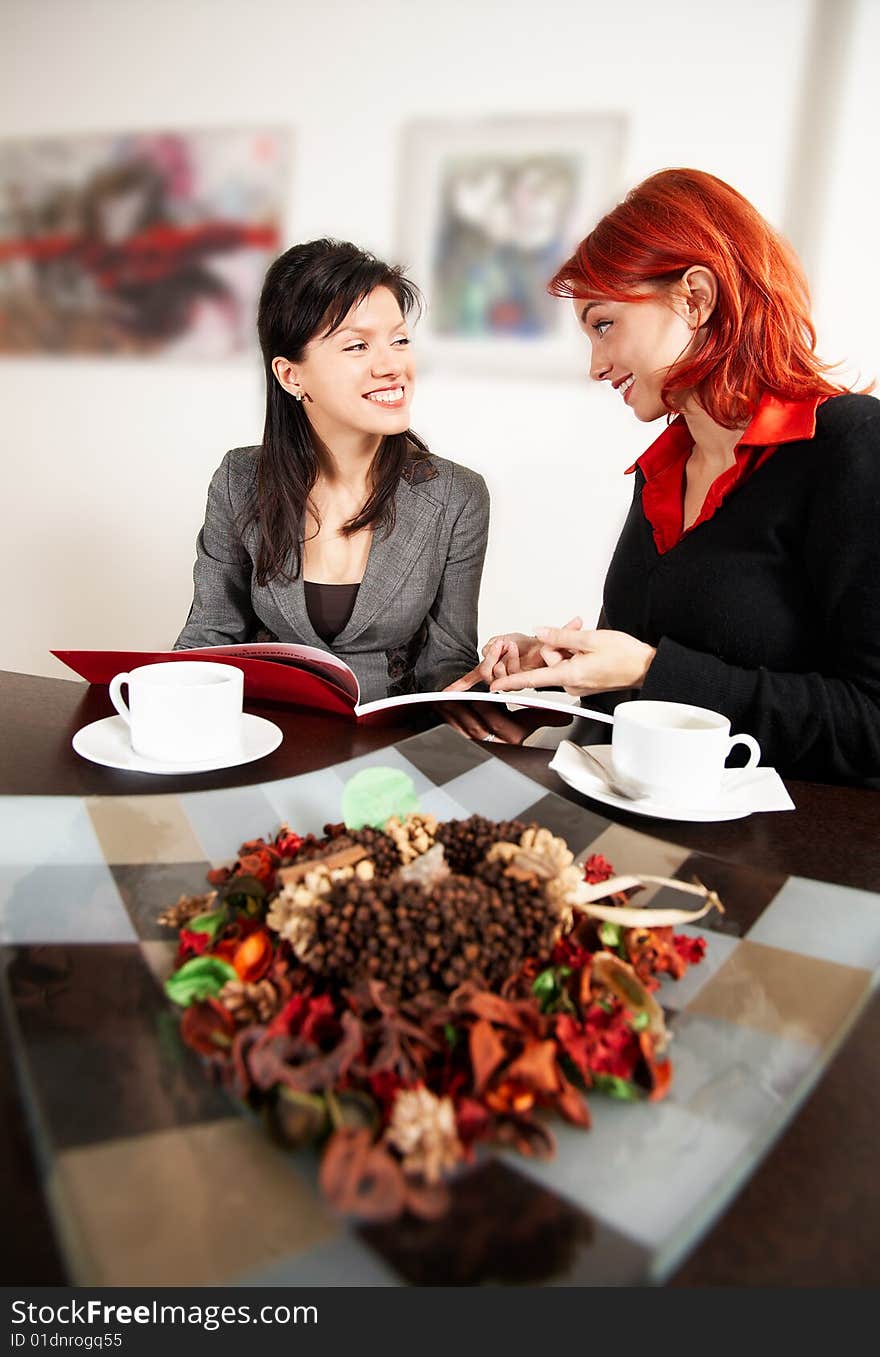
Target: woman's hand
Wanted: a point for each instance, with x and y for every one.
(492, 721)
(583, 662)
(504, 655)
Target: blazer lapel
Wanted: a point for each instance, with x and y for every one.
(391, 558)
(291, 600)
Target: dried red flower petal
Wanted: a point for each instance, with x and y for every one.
(253, 957)
(610, 1045)
(208, 1027)
(192, 944)
(573, 1105)
(320, 1023)
(487, 1051)
(691, 950)
(290, 1018)
(652, 952)
(659, 1071)
(568, 952)
(575, 1042)
(521, 1015)
(472, 1120)
(260, 864)
(361, 1179)
(536, 1067)
(325, 1070)
(597, 868)
(385, 1087)
(287, 842)
(509, 1097)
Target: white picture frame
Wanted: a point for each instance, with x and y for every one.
(489, 209)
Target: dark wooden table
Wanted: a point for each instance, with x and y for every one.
(810, 1214)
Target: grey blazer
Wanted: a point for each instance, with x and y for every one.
(414, 624)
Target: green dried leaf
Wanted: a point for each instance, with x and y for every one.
(615, 1087)
(208, 923)
(450, 1033)
(610, 935)
(640, 1022)
(549, 989)
(544, 985)
(201, 978)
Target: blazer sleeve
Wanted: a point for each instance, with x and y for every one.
(221, 612)
(450, 649)
(823, 725)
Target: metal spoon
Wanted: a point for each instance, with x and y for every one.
(614, 783)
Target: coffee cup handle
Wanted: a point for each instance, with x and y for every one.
(751, 744)
(115, 691)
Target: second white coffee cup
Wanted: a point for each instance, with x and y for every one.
(185, 711)
(673, 751)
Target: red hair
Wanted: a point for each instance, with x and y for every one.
(759, 338)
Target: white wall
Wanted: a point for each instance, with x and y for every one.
(106, 462)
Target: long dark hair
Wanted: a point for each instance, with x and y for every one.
(308, 291)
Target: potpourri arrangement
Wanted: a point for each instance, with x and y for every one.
(401, 996)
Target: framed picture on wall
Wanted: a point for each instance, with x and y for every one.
(145, 244)
(488, 210)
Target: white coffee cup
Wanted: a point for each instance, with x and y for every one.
(186, 711)
(674, 752)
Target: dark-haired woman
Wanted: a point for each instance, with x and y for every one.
(339, 530)
(747, 575)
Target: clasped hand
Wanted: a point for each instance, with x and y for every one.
(566, 657)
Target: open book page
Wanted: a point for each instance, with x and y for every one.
(550, 701)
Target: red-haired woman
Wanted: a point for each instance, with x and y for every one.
(747, 575)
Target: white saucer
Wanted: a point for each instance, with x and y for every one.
(743, 790)
(107, 742)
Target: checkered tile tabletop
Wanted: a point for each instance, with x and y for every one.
(155, 1177)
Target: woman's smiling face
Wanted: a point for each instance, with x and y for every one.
(360, 377)
(634, 344)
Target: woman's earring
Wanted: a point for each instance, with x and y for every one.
(297, 395)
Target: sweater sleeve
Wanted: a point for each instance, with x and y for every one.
(221, 612)
(450, 649)
(823, 724)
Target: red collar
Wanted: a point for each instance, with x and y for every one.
(775, 421)
(663, 464)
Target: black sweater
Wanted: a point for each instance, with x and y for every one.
(770, 610)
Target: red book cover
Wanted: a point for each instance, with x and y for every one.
(265, 679)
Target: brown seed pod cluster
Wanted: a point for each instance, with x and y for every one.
(466, 842)
(335, 836)
(380, 846)
(425, 906)
(464, 928)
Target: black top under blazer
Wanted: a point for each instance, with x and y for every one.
(414, 624)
